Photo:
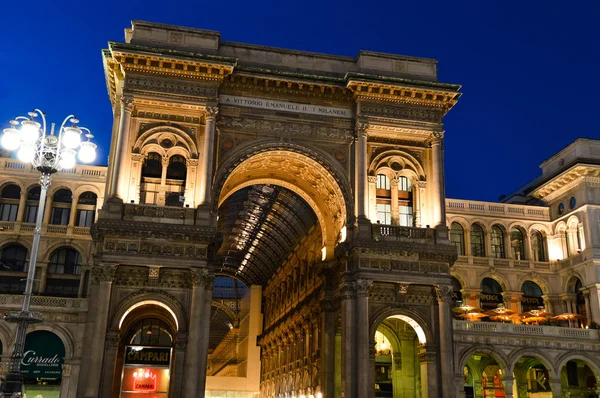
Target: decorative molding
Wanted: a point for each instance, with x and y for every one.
(103, 273)
(212, 112)
(436, 138)
(173, 87)
(401, 112)
(127, 103)
(362, 287)
(147, 114)
(361, 129)
(66, 370)
(200, 277)
(443, 293)
(284, 128)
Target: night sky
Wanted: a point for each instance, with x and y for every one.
(528, 69)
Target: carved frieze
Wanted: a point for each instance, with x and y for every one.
(168, 116)
(103, 273)
(170, 86)
(126, 276)
(402, 112)
(154, 248)
(202, 278)
(291, 129)
(444, 293)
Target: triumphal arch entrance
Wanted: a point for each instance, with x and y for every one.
(273, 226)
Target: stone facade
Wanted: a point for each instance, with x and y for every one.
(315, 182)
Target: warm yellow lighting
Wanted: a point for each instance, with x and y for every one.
(67, 159)
(149, 302)
(26, 153)
(71, 137)
(343, 234)
(87, 152)
(323, 253)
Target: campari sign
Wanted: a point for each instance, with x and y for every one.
(43, 356)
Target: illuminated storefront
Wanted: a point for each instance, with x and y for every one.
(42, 364)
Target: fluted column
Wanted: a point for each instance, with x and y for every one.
(421, 219)
(117, 186)
(199, 328)
(361, 170)
(162, 196)
(190, 182)
(207, 155)
(444, 296)
(102, 278)
(363, 344)
(372, 202)
(327, 343)
(348, 342)
(588, 308)
(437, 179)
(137, 160)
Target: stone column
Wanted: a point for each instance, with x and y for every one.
(162, 195)
(117, 186)
(22, 205)
(421, 219)
(361, 170)
(190, 182)
(176, 383)
(512, 301)
(327, 343)
(363, 343)
(48, 209)
(459, 385)
(588, 308)
(207, 159)
(348, 342)
(508, 386)
(102, 278)
(137, 160)
(42, 276)
(198, 333)
(555, 385)
(372, 203)
(394, 200)
(471, 296)
(113, 142)
(437, 179)
(429, 381)
(444, 296)
(111, 379)
(73, 213)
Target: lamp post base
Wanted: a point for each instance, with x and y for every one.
(13, 385)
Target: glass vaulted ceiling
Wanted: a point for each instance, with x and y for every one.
(261, 225)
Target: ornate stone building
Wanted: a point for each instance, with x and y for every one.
(273, 223)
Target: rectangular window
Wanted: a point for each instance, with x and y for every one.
(383, 182)
(60, 216)
(8, 212)
(30, 214)
(405, 214)
(384, 213)
(85, 218)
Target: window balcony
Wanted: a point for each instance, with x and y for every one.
(44, 304)
(23, 228)
(524, 332)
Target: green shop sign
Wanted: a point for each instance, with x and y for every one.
(44, 355)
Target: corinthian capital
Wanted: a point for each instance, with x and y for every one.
(127, 103)
(443, 293)
(361, 129)
(201, 277)
(363, 287)
(103, 273)
(212, 112)
(436, 138)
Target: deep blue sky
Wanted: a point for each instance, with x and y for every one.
(528, 68)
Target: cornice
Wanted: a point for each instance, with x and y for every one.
(566, 181)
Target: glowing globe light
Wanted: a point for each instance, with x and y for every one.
(67, 159)
(11, 139)
(87, 152)
(26, 153)
(30, 131)
(71, 137)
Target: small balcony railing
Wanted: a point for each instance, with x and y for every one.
(383, 232)
(525, 330)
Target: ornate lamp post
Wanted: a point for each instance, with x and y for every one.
(48, 153)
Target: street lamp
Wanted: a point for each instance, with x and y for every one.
(48, 153)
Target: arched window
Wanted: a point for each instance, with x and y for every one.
(61, 207)
(457, 237)
(152, 167)
(86, 209)
(33, 202)
(491, 294)
(9, 202)
(177, 169)
(383, 182)
(477, 241)
(532, 296)
(13, 257)
(537, 246)
(65, 260)
(497, 241)
(404, 184)
(150, 332)
(63, 273)
(517, 242)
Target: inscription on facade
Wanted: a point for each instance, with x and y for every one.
(286, 106)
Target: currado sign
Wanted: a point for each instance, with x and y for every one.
(44, 355)
(147, 356)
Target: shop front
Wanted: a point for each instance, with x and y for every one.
(41, 365)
